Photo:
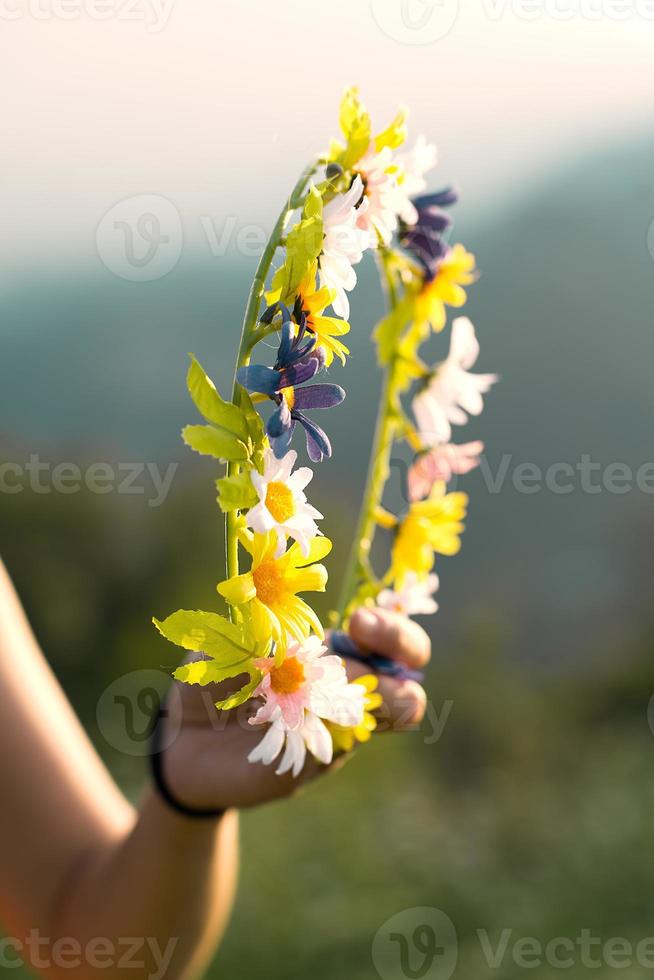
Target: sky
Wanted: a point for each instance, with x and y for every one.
(215, 106)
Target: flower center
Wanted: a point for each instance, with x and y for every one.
(279, 501)
(269, 582)
(288, 677)
(288, 395)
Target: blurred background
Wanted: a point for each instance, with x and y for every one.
(524, 803)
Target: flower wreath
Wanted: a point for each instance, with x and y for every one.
(360, 195)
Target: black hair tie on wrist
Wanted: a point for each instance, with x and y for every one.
(156, 767)
(344, 646)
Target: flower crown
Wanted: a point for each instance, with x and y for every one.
(360, 195)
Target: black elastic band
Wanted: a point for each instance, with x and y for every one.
(156, 767)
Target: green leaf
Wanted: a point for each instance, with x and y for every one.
(356, 127)
(205, 672)
(253, 420)
(209, 403)
(303, 246)
(206, 632)
(236, 492)
(212, 441)
(313, 203)
(240, 697)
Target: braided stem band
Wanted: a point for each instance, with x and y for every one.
(344, 646)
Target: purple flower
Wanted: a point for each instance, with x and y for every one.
(425, 239)
(297, 362)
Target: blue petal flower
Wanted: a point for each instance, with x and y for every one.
(318, 445)
(259, 378)
(425, 239)
(298, 360)
(319, 396)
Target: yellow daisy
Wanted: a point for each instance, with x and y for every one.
(312, 302)
(446, 289)
(344, 739)
(432, 525)
(267, 594)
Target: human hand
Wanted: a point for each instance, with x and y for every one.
(206, 764)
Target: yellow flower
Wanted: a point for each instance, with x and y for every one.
(344, 739)
(446, 288)
(432, 525)
(267, 594)
(312, 302)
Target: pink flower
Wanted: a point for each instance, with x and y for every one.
(413, 597)
(453, 390)
(383, 197)
(440, 465)
(307, 679)
(302, 692)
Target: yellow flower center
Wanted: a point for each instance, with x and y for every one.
(269, 582)
(288, 395)
(288, 677)
(279, 501)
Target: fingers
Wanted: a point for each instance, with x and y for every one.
(391, 634)
(404, 701)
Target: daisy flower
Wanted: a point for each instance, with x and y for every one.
(440, 465)
(413, 597)
(412, 167)
(432, 525)
(307, 679)
(308, 687)
(312, 735)
(267, 594)
(453, 390)
(343, 245)
(384, 200)
(308, 311)
(283, 505)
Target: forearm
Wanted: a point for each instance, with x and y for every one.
(169, 884)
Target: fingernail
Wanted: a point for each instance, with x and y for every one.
(367, 619)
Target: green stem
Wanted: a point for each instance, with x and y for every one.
(358, 566)
(250, 336)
